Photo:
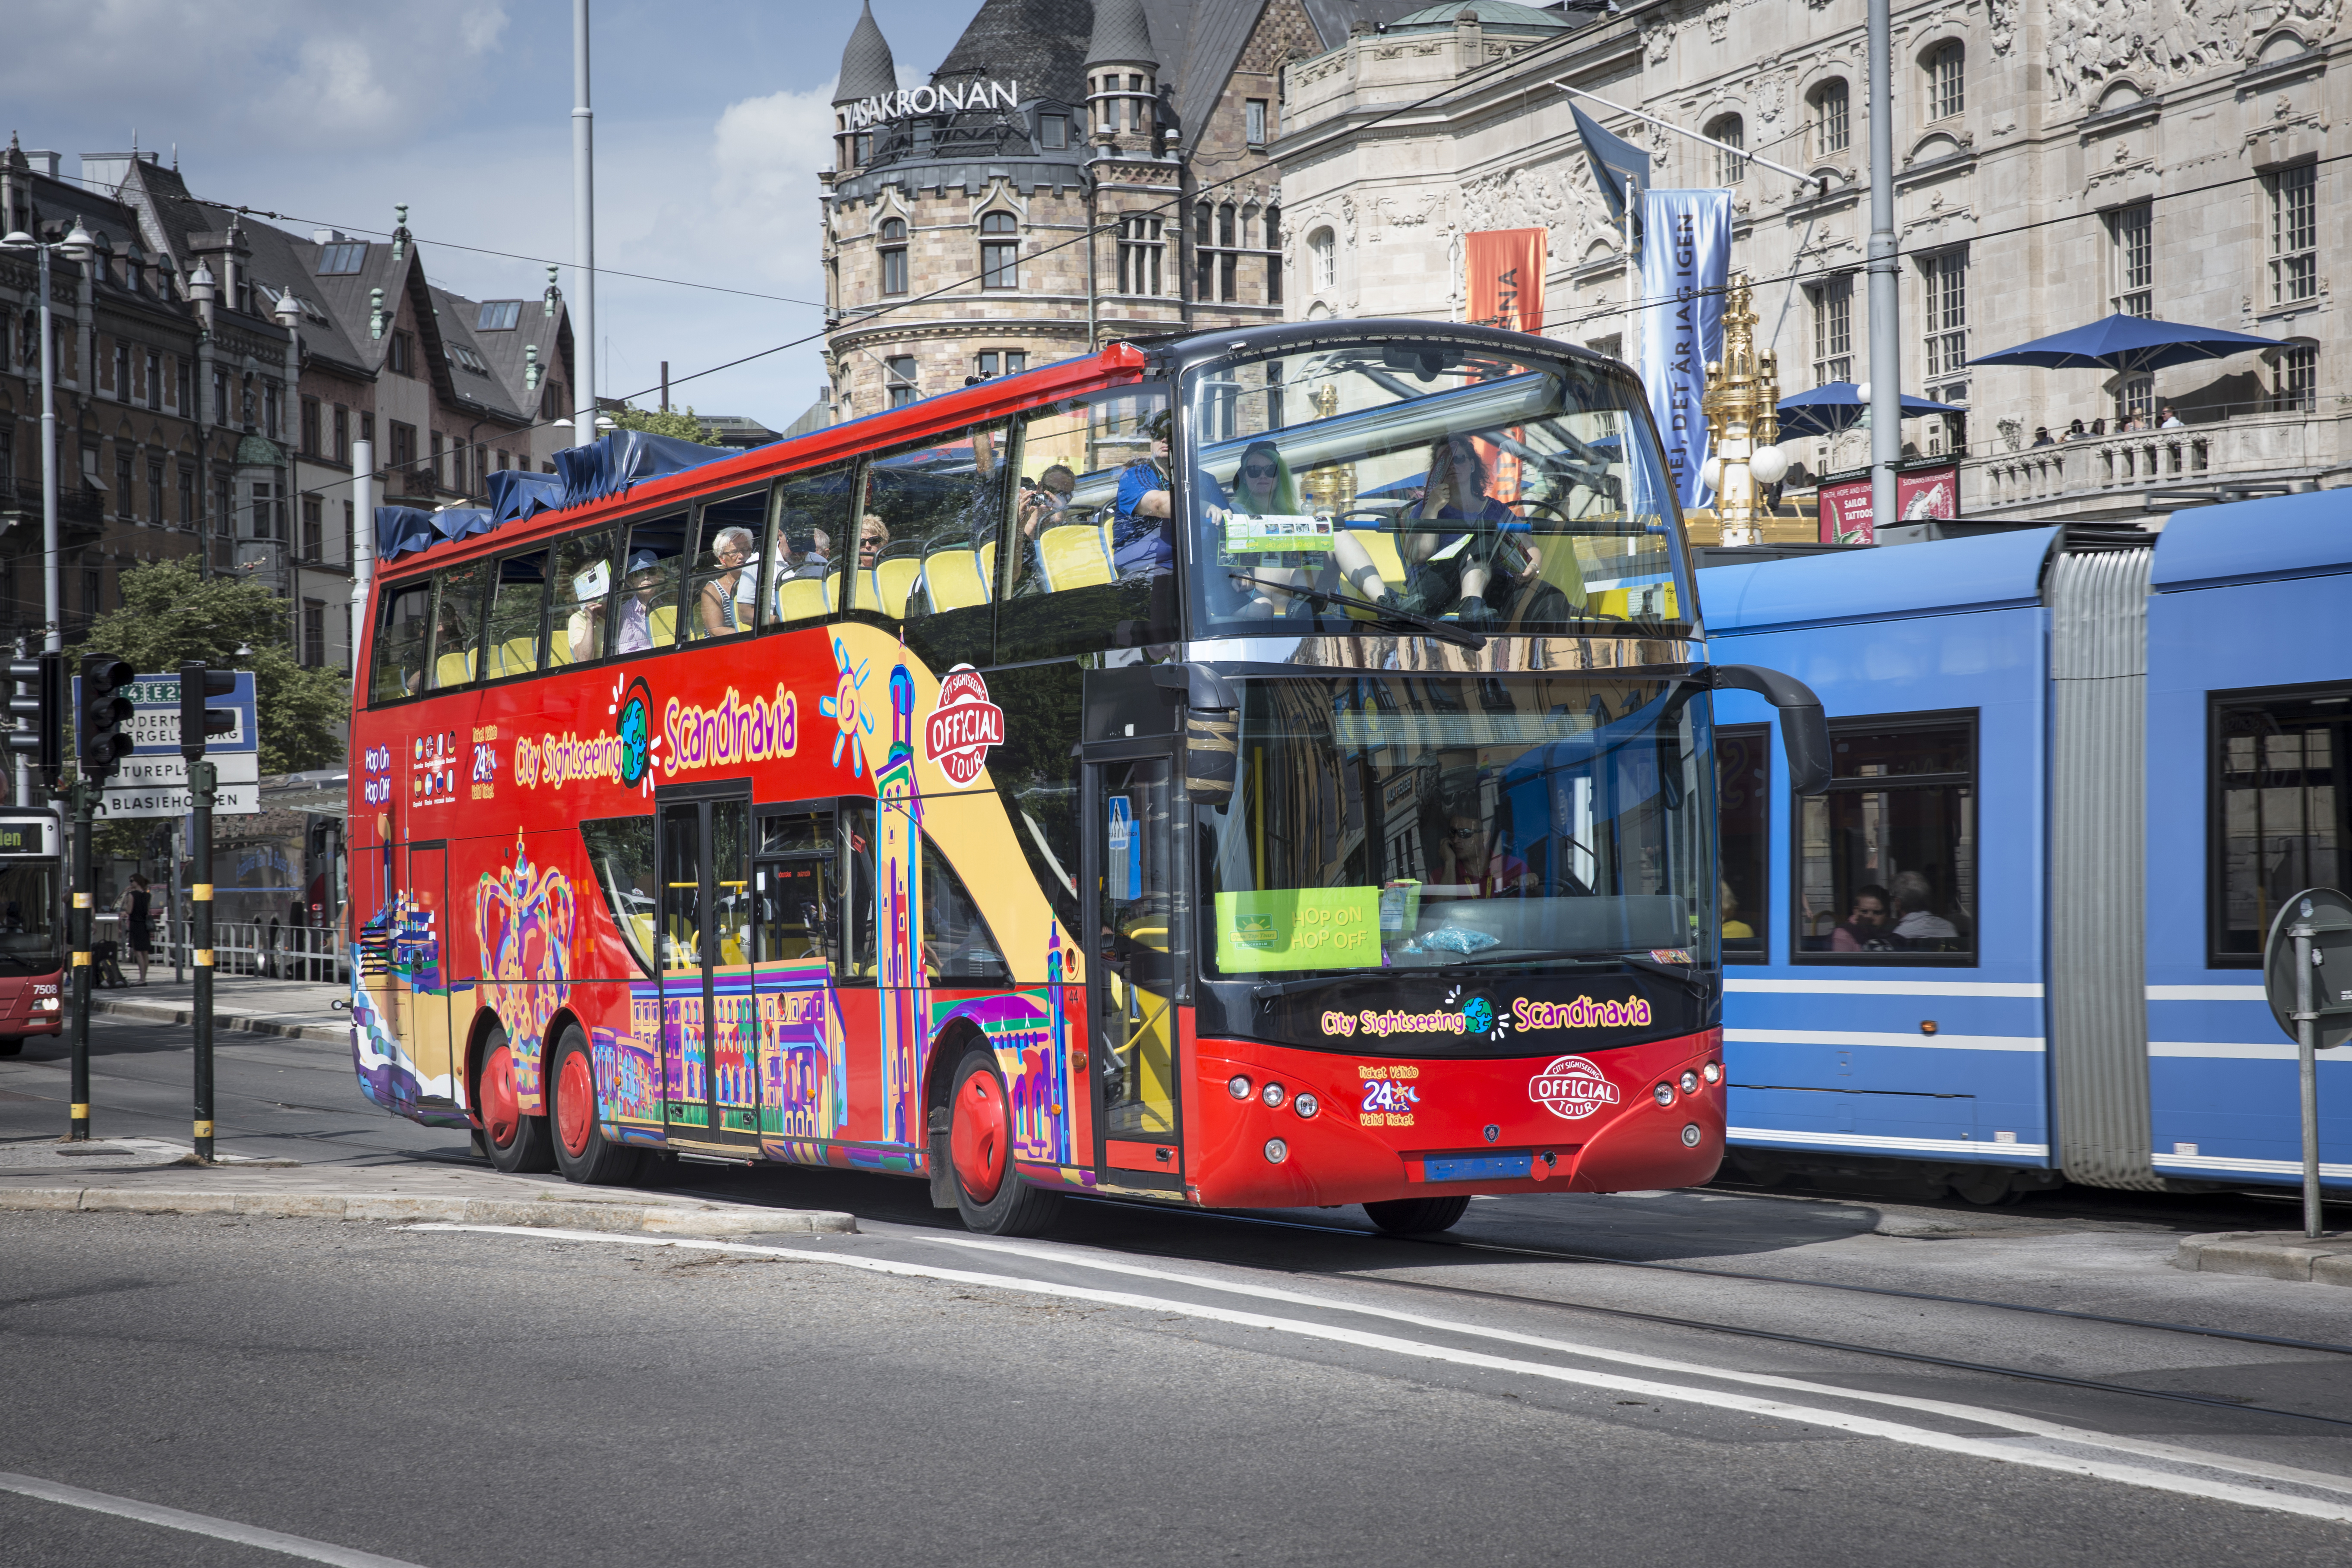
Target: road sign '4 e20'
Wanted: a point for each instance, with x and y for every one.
(154, 724)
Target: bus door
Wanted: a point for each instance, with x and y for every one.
(424, 952)
(711, 1057)
(1131, 972)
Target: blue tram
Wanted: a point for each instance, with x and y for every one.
(2016, 941)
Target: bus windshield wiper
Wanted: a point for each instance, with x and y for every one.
(1444, 631)
(1272, 990)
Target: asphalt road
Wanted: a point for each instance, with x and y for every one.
(1662, 1377)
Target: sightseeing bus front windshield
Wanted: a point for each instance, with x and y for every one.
(1329, 485)
(1420, 822)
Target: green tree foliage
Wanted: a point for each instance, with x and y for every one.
(653, 422)
(170, 616)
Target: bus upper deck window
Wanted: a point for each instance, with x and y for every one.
(724, 589)
(399, 639)
(457, 627)
(807, 534)
(517, 615)
(645, 611)
(584, 591)
(927, 543)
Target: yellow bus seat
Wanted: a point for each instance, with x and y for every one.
(451, 669)
(988, 566)
(952, 580)
(1075, 555)
(559, 643)
(893, 578)
(832, 591)
(802, 599)
(516, 655)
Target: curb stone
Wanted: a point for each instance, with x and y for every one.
(2270, 1255)
(657, 1219)
(148, 1013)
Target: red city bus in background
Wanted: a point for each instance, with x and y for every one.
(31, 965)
(1264, 769)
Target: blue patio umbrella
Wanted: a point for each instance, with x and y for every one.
(1837, 407)
(2128, 345)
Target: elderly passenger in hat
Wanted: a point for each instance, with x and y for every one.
(636, 630)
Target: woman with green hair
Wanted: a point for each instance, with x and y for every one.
(1263, 486)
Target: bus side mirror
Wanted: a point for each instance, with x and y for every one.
(1804, 731)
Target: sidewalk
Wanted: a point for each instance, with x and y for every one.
(299, 1009)
(2272, 1253)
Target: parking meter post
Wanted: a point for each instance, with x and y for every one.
(2306, 1053)
(201, 777)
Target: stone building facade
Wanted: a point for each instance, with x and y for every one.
(2053, 165)
(1073, 173)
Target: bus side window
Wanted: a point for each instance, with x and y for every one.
(725, 585)
(859, 959)
(957, 943)
(518, 614)
(583, 593)
(808, 531)
(399, 639)
(645, 610)
(458, 627)
(1056, 579)
(926, 536)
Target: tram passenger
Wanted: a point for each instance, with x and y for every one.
(1918, 924)
(1865, 928)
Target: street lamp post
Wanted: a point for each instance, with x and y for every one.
(77, 246)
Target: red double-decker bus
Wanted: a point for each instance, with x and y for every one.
(31, 965)
(1261, 769)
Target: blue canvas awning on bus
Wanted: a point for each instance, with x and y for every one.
(402, 530)
(516, 493)
(614, 462)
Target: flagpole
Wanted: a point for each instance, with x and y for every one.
(1821, 180)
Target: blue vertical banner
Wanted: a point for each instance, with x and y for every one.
(1686, 262)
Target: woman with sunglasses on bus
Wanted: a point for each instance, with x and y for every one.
(1470, 570)
(1263, 486)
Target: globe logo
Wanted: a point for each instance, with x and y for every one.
(634, 728)
(1477, 1015)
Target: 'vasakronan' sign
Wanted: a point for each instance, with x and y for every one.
(945, 99)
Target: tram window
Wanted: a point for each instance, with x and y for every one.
(1886, 856)
(1743, 780)
(957, 945)
(721, 593)
(807, 533)
(645, 606)
(1063, 584)
(456, 658)
(405, 617)
(2282, 813)
(583, 591)
(518, 614)
(621, 851)
(859, 959)
(927, 536)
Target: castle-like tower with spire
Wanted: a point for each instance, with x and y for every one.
(1074, 172)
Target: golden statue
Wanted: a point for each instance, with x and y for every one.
(1742, 408)
(1330, 487)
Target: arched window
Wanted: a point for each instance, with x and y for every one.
(1728, 129)
(997, 250)
(1833, 119)
(1323, 251)
(894, 256)
(1947, 80)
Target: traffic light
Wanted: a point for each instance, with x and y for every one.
(105, 708)
(40, 698)
(198, 723)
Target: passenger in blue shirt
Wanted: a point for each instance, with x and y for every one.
(1142, 539)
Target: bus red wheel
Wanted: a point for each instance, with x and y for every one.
(990, 1194)
(515, 1142)
(583, 1153)
(1409, 1217)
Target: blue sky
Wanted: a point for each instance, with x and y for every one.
(711, 122)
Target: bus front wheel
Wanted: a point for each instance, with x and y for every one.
(516, 1143)
(1408, 1216)
(990, 1194)
(12, 1044)
(581, 1151)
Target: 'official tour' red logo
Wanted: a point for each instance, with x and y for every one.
(963, 727)
(1571, 1089)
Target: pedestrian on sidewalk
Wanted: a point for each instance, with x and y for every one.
(137, 909)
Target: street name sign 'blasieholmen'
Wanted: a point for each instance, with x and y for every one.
(942, 99)
(153, 780)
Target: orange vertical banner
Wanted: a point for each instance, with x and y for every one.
(1507, 270)
(1507, 273)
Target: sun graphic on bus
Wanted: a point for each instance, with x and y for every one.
(842, 707)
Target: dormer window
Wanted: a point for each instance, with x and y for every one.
(1052, 130)
(499, 316)
(340, 261)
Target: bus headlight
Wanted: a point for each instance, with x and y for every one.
(1277, 1150)
(1690, 1134)
(1690, 1081)
(1664, 1093)
(1714, 1072)
(48, 1003)
(1273, 1095)
(1238, 1087)
(1306, 1105)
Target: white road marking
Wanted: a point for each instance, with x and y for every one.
(196, 1523)
(2043, 1445)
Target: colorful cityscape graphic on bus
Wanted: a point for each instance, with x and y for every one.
(523, 917)
(400, 963)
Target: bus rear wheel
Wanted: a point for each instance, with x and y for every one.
(583, 1153)
(516, 1143)
(990, 1194)
(12, 1044)
(1409, 1217)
